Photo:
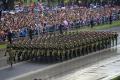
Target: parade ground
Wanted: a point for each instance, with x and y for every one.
(100, 65)
(59, 39)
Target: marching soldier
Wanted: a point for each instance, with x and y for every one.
(60, 47)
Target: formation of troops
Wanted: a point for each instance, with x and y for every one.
(60, 47)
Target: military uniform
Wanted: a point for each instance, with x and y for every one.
(52, 48)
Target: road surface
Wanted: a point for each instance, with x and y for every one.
(20, 69)
(99, 71)
(85, 66)
(80, 66)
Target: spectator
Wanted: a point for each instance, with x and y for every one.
(71, 17)
(0, 14)
(9, 36)
(61, 28)
(110, 18)
(30, 31)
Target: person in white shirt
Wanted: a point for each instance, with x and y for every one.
(66, 24)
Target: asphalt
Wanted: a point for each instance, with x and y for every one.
(27, 67)
(59, 72)
(20, 69)
(100, 70)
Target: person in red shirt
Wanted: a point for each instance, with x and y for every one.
(32, 6)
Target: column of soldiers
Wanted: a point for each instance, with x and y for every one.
(60, 47)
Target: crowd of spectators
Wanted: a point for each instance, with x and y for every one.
(51, 20)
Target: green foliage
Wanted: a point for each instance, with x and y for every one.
(117, 78)
(55, 2)
(2, 46)
(77, 1)
(101, 27)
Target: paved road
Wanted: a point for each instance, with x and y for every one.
(20, 69)
(116, 29)
(27, 67)
(98, 71)
(71, 67)
(3, 59)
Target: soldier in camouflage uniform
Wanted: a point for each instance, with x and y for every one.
(60, 47)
